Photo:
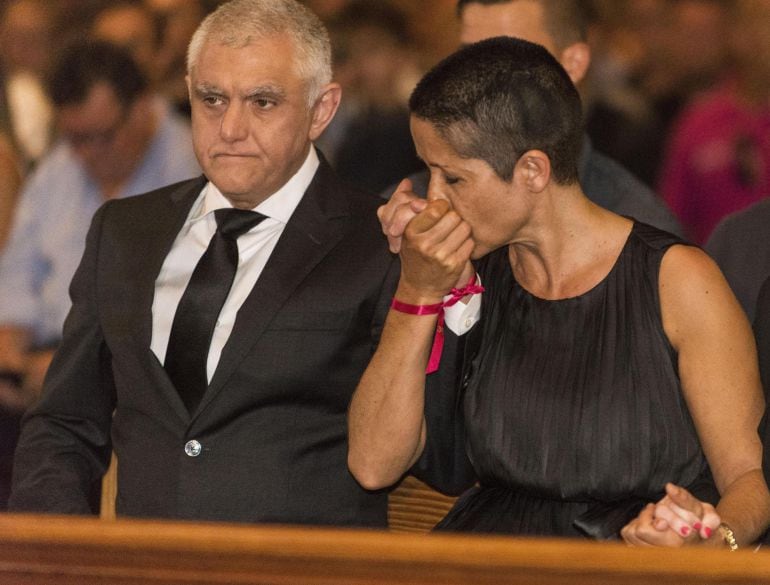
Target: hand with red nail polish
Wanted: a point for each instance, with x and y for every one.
(678, 519)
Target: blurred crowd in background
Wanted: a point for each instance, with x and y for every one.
(678, 90)
(651, 61)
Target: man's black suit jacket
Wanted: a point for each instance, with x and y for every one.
(272, 424)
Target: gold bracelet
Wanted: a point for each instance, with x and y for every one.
(728, 536)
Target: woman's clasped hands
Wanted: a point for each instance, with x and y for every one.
(678, 519)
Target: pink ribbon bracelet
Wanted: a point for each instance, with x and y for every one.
(438, 309)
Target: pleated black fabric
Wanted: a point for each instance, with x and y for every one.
(576, 402)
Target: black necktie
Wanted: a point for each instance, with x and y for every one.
(198, 310)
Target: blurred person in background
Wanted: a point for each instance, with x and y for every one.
(26, 128)
(10, 401)
(730, 165)
(619, 118)
(132, 25)
(177, 21)
(681, 50)
(718, 158)
(561, 26)
(741, 248)
(684, 48)
(115, 141)
(433, 24)
(27, 39)
(10, 181)
(369, 143)
(326, 9)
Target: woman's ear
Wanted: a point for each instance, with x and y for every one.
(533, 169)
(324, 109)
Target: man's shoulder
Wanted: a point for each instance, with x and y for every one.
(335, 194)
(364, 203)
(741, 231)
(347, 215)
(178, 188)
(607, 183)
(601, 171)
(753, 216)
(179, 191)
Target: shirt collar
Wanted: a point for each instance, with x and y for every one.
(279, 206)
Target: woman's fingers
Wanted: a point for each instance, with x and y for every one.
(396, 214)
(684, 514)
(677, 519)
(684, 523)
(641, 531)
(695, 515)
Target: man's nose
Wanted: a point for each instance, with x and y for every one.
(233, 125)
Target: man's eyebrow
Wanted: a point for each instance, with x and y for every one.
(205, 88)
(267, 90)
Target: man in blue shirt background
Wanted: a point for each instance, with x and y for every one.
(117, 138)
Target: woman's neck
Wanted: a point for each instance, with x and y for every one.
(567, 248)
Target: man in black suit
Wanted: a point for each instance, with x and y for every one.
(263, 439)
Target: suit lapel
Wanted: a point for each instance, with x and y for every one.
(154, 242)
(152, 238)
(317, 225)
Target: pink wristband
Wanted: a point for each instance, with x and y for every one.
(438, 309)
(416, 309)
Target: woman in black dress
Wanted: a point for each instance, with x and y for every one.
(610, 387)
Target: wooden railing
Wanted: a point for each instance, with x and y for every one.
(56, 550)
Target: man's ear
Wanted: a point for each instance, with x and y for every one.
(576, 59)
(324, 109)
(533, 170)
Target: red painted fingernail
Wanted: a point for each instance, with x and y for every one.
(685, 530)
(707, 531)
(697, 526)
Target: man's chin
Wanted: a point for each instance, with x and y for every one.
(239, 195)
(228, 184)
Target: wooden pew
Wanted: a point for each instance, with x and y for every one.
(37, 550)
(415, 507)
(412, 506)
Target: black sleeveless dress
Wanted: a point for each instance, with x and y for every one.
(575, 416)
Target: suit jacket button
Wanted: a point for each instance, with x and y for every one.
(193, 448)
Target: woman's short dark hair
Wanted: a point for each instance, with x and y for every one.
(496, 99)
(84, 64)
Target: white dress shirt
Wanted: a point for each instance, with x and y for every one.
(254, 249)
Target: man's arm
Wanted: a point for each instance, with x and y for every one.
(65, 443)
